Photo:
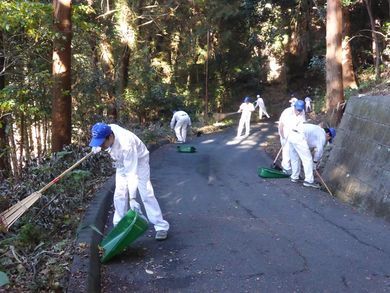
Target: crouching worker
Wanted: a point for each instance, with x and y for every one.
(301, 139)
(132, 171)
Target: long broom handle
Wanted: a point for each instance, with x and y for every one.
(12, 214)
(323, 182)
(280, 150)
(55, 180)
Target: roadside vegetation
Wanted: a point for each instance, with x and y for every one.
(65, 65)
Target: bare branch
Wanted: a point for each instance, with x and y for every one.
(106, 13)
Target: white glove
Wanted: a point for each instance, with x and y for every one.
(96, 150)
(135, 206)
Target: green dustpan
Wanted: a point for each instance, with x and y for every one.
(186, 149)
(271, 173)
(129, 228)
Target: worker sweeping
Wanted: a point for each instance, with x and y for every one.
(132, 171)
(262, 110)
(180, 122)
(289, 119)
(246, 110)
(301, 140)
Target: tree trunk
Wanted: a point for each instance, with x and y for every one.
(298, 50)
(5, 165)
(375, 42)
(13, 153)
(334, 77)
(349, 78)
(124, 75)
(106, 57)
(62, 100)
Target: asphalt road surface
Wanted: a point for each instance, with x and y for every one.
(232, 231)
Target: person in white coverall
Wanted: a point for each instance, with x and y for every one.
(260, 103)
(132, 171)
(308, 101)
(289, 118)
(301, 140)
(180, 121)
(246, 110)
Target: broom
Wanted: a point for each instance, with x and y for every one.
(11, 215)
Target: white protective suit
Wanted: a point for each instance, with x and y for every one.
(246, 110)
(288, 120)
(180, 121)
(308, 101)
(260, 103)
(301, 139)
(132, 171)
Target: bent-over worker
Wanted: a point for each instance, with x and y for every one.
(302, 139)
(132, 171)
(180, 121)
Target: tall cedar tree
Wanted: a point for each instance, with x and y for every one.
(334, 73)
(62, 101)
(5, 165)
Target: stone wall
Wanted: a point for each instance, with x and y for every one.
(358, 168)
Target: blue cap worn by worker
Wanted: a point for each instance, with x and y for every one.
(247, 100)
(100, 131)
(299, 105)
(332, 133)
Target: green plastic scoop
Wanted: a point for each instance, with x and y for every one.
(129, 228)
(186, 149)
(271, 173)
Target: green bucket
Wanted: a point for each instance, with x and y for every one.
(129, 228)
(271, 173)
(186, 149)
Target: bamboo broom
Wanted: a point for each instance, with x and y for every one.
(323, 182)
(11, 215)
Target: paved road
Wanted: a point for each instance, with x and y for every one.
(232, 231)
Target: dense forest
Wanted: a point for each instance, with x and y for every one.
(65, 65)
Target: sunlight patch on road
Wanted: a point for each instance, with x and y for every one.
(208, 141)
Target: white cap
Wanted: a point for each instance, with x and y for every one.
(258, 96)
(292, 101)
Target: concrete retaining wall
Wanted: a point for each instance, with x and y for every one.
(358, 168)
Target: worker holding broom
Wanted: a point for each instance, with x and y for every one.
(289, 119)
(246, 109)
(132, 171)
(262, 110)
(302, 138)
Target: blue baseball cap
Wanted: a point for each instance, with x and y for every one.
(100, 131)
(299, 105)
(247, 100)
(332, 133)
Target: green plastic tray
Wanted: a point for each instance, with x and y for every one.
(186, 149)
(129, 228)
(271, 173)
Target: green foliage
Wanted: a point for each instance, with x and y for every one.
(29, 236)
(32, 17)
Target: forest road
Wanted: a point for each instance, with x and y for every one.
(232, 231)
